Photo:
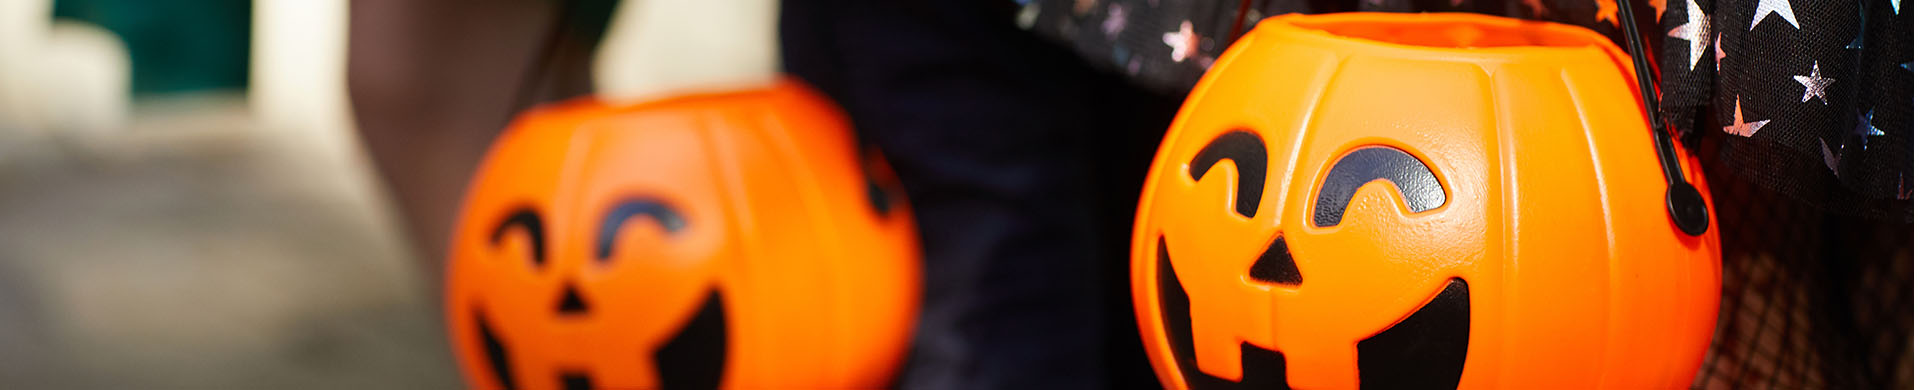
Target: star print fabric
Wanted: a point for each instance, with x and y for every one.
(1850, 121)
(1809, 98)
(1801, 112)
(1162, 44)
(1165, 45)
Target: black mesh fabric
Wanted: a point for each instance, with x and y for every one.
(1810, 298)
(1843, 145)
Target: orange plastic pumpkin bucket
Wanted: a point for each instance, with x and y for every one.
(729, 240)
(1374, 200)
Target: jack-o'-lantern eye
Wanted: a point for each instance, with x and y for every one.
(1412, 178)
(1249, 155)
(528, 221)
(669, 219)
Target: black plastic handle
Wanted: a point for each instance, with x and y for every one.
(1685, 206)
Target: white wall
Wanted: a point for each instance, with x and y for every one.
(59, 77)
(23, 29)
(298, 79)
(658, 48)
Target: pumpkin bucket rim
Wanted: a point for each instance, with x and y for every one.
(1449, 34)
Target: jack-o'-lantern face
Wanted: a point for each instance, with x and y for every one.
(1354, 201)
(729, 240)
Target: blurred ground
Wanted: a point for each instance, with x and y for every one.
(197, 250)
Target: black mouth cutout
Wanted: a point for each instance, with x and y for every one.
(498, 356)
(1427, 350)
(696, 357)
(693, 358)
(1260, 368)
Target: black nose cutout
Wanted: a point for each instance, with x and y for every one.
(1276, 265)
(570, 301)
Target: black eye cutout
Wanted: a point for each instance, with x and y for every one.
(1415, 181)
(528, 221)
(669, 219)
(1249, 155)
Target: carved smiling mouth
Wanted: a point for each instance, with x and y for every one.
(693, 358)
(696, 356)
(1427, 350)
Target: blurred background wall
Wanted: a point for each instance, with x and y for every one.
(184, 205)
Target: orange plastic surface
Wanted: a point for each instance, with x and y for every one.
(1554, 215)
(820, 287)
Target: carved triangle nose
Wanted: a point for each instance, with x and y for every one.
(570, 301)
(1276, 265)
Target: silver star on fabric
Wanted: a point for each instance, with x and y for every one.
(1896, 6)
(1833, 161)
(1816, 85)
(1860, 36)
(1864, 128)
(1718, 54)
(1741, 126)
(1183, 42)
(1116, 21)
(1771, 7)
(1695, 32)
